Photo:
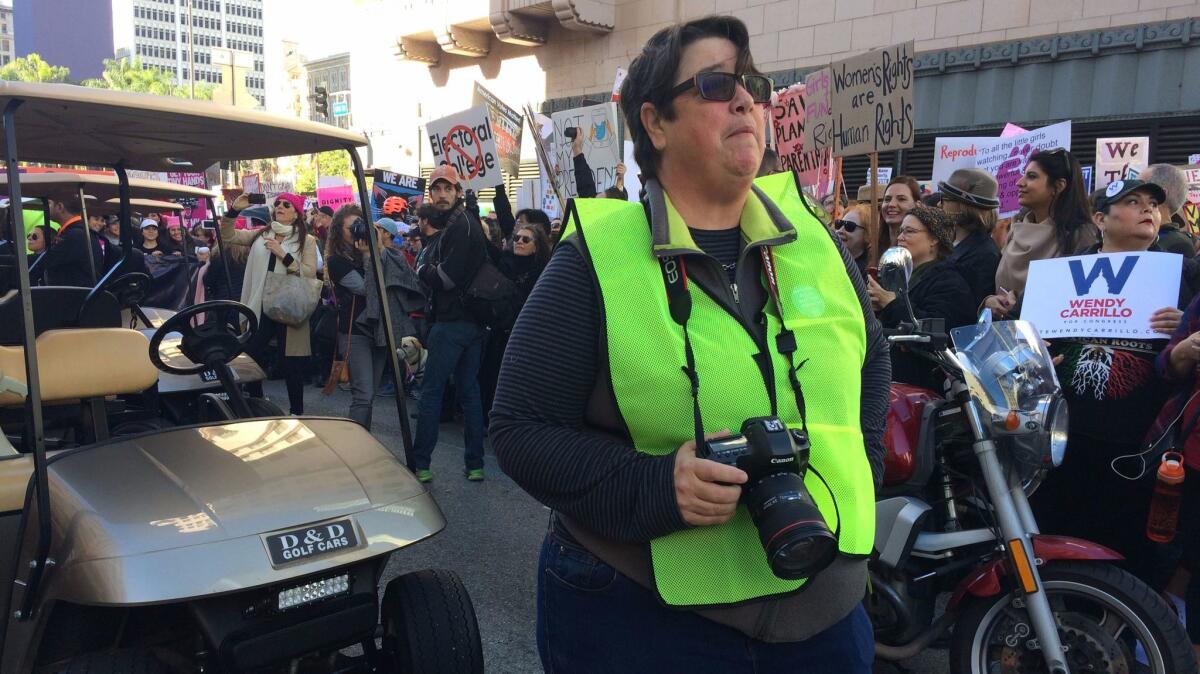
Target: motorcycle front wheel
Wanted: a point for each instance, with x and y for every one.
(1108, 621)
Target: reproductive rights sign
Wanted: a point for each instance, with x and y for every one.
(1103, 295)
(465, 141)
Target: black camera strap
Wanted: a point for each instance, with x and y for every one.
(679, 302)
(785, 341)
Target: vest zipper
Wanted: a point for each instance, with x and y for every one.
(737, 299)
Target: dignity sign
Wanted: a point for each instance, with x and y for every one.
(1103, 295)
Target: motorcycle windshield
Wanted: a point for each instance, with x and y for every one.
(1006, 365)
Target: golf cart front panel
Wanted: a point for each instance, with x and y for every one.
(192, 512)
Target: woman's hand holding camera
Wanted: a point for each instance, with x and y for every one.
(707, 492)
(241, 203)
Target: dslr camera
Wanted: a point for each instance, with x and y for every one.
(795, 536)
(359, 230)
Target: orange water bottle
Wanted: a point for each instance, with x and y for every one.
(1164, 505)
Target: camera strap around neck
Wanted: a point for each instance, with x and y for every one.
(679, 302)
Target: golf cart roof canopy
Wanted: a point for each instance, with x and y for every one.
(66, 123)
(103, 187)
(113, 206)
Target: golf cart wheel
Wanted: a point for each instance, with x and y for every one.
(429, 625)
(261, 407)
(117, 662)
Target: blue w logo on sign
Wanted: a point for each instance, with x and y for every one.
(1102, 267)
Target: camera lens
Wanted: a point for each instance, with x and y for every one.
(792, 531)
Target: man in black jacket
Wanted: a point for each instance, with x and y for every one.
(66, 262)
(454, 254)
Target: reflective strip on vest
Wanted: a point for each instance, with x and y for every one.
(726, 564)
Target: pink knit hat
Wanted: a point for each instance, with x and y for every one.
(295, 200)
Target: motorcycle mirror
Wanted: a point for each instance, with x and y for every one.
(895, 269)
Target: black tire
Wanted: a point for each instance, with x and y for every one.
(261, 407)
(429, 625)
(1110, 586)
(117, 662)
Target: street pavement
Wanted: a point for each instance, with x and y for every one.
(491, 540)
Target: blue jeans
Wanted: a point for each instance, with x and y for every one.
(592, 619)
(454, 349)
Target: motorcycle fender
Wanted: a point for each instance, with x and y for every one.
(985, 580)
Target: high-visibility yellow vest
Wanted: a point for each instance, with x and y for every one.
(726, 564)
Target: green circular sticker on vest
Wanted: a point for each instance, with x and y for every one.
(808, 301)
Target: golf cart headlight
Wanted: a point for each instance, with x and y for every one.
(1057, 425)
(318, 590)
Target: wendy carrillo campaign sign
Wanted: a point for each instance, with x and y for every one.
(1101, 295)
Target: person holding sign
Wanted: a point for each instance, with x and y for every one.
(1114, 395)
(1058, 223)
(937, 289)
(717, 304)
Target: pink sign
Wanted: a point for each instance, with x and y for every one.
(335, 197)
(1011, 129)
(787, 120)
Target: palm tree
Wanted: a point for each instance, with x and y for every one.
(33, 68)
(123, 74)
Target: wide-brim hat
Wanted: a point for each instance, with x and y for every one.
(972, 187)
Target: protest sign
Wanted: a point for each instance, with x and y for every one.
(620, 79)
(818, 108)
(335, 197)
(1011, 129)
(1116, 156)
(388, 184)
(251, 183)
(951, 153)
(883, 175)
(871, 102)
(1102, 295)
(547, 197)
(1004, 158)
(465, 141)
(787, 123)
(188, 179)
(601, 146)
(507, 126)
(1194, 158)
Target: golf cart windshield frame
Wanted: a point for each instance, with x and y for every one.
(79, 125)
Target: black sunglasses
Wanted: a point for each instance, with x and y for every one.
(847, 225)
(721, 87)
(281, 202)
(522, 238)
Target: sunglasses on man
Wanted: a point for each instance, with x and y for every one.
(849, 226)
(721, 87)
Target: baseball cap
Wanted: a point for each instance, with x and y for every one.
(1118, 189)
(444, 172)
(389, 225)
(149, 223)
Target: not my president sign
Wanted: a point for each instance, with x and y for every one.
(465, 141)
(863, 104)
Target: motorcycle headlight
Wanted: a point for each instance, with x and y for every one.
(1056, 426)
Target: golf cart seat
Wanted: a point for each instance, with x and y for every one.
(57, 307)
(14, 479)
(82, 363)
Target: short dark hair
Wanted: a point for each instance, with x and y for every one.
(652, 76)
(534, 216)
(427, 212)
(327, 210)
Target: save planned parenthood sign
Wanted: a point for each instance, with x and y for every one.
(863, 104)
(466, 142)
(1103, 295)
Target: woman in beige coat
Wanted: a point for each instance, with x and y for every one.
(282, 247)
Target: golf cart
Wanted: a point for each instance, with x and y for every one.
(177, 399)
(246, 545)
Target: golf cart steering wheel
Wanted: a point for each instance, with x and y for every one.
(129, 289)
(211, 342)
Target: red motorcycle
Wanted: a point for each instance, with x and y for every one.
(953, 517)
